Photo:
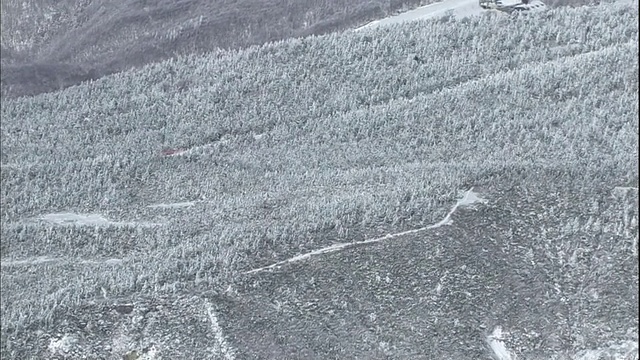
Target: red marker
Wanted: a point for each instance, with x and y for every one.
(170, 152)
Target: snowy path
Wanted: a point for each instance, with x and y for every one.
(40, 260)
(469, 198)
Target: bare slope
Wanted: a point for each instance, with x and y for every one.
(287, 148)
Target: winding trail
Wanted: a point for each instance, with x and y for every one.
(469, 198)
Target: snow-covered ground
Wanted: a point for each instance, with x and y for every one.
(469, 198)
(458, 8)
(68, 218)
(176, 205)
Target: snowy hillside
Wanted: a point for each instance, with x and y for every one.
(457, 8)
(460, 9)
(447, 189)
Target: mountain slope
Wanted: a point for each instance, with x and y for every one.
(51, 45)
(200, 169)
(66, 42)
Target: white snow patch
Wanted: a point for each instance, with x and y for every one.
(469, 198)
(59, 261)
(495, 341)
(77, 219)
(121, 343)
(31, 261)
(88, 220)
(221, 347)
(172, 205)
(532, 7)
(151, 354)
(61, 346)
(458, 8)
(112, 262)
(199, 149)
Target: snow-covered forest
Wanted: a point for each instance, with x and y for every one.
(290, 146)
